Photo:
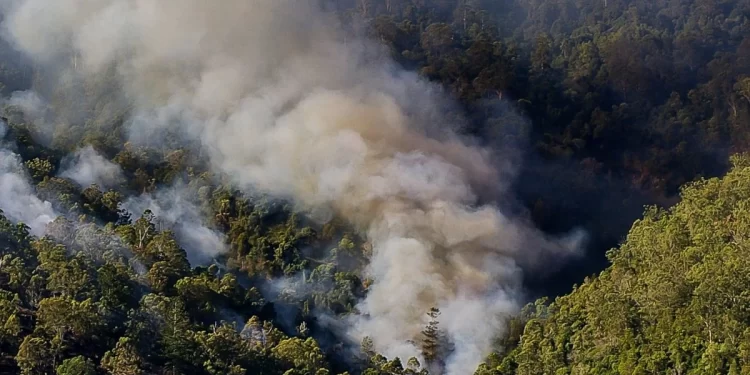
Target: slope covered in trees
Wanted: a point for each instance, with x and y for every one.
(622, 101)
(645, 88)
(674, 300)
(122, 298)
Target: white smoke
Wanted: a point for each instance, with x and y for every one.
(18, 200)
(282, 101)
(30, 103)
(87, 167)
(174, 211)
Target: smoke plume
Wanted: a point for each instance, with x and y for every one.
(87, 167)
(18, 200)
(282, 101)
(29, 102)
(174, 211)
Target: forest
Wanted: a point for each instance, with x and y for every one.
(496, 187)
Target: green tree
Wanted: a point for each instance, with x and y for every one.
(68, 320)
(301, 355)
(79, 365)
(123, 359)
(39, 168)
(669, 303)
(431, 337)
(35, 356)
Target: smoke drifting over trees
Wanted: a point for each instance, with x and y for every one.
(282, 102)
(18, 200)
(365, 185)
(86, 167)
(174, 211)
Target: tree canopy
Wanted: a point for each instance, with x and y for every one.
(673, 300)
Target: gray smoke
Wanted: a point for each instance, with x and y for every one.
(282, 101)
(20, 203)
(18, 200)
(173, 210)
(87, 167)
(30, 103)
(98, 243)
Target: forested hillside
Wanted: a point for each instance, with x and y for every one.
(653, 90)
(674, 300)
(130, 246)
(622, 101)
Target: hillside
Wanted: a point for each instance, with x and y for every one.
(674, 300)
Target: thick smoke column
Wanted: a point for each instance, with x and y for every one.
(18, 200)
(284, 102)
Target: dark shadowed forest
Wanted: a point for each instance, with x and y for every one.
(540, 187)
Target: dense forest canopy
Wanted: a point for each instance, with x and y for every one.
(622, 102)
(374, 187)
(672, 302)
